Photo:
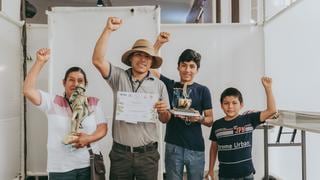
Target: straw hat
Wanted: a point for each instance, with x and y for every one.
(142, 45)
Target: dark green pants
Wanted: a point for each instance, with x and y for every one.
(126, 165)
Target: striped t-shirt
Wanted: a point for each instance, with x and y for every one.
(234, 140)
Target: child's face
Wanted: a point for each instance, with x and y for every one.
(187, 71)
(231, 106)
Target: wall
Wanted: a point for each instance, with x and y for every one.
(36, 120)
(11, 8)
(292, 58)
(10, 95)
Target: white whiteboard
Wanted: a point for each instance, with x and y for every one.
(73, 33)
(10, 98)
(37, 124)
(292, 58)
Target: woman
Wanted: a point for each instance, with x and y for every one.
(64, 162)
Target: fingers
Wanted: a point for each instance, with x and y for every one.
(161, 106)
(81, 141)
(43, 54)
(43, 51)
(165, 35)
(113, 23)
(266, 81)
(115, 20)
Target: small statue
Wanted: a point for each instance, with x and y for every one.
(79, 105)
(185, 102)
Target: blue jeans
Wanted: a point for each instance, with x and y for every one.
(175, 159)
(250, 177)
(76, 174)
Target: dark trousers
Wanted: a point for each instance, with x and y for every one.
(76, 174)
(129, 165)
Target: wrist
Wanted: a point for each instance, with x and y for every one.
(201, 119)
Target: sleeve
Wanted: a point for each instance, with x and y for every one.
(99, 114)
(164, 95)
(213, 136)
(46, 101)
(168, 82)
(254, 118)
(113, 77)
(206, 99)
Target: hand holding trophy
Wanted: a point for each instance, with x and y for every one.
(79, 105)
(182, 103)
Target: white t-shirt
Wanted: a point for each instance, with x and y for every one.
(61, 157)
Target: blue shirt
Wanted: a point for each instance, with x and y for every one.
(178, 132)
(234, 140)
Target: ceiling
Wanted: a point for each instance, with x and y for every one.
(172, 11)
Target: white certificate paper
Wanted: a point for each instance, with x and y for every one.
(136, 107)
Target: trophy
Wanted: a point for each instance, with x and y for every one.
(79, 105)
(182, 102)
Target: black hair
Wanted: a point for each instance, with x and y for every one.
(76, 69)
(190, 55)
(231, 92)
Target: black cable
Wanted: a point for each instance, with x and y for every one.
(24, 50)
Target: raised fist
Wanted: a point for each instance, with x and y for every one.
(163, 37)
(266, 82)
(113, 23)
(43, 54)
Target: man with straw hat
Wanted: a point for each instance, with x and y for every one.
(134, 153)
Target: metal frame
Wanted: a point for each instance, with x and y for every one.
(266, 152)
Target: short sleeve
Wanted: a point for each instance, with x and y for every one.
(113, 77)
(213, 136)
(254, 118)
(206, 99)
(46, 101)
(99, 115)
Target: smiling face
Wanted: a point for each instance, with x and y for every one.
(187, 71)
(231, 106)
(140, 62)
(72, 80)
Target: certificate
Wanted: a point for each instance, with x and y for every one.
(136, 107)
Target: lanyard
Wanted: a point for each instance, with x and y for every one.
(139, 81)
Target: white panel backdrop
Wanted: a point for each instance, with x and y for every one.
(292, 58)
(72, 36)
(36, 120)
(10, 98)
(232, 55)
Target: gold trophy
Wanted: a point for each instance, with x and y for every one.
(182, 102)
(79, 105)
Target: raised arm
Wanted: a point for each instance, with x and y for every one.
(99, 59)
(29, 85)
(162, 38)
(271, 104)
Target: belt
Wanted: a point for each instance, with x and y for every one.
(140, 149)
